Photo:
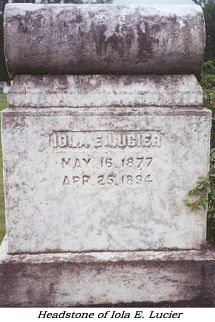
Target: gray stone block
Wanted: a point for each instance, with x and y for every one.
(122, 38)
(103, 178)
(97, 167)
(105, 91)
(179, 278)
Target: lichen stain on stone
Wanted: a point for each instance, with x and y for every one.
(65, 20)
(52, 84)
(62, 82)
(102, 41)
(98, 32)
(84, 85)
(144, 42)
(30, 22)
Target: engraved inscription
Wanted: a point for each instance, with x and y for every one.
(109, 171)
(108, 180)
(88, 166)
(103, 162)
(101, 139)
(75, 162)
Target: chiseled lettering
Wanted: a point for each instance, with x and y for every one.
(85, 179)
(87, 161)
(131, 140)
(65, 161)
(62, 140)
(77, 163)
(156, 140)
(82, 179)
(146, 140)
(99, 139)
(66, 181)
(76, 179)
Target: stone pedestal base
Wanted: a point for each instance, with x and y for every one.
(107, 278)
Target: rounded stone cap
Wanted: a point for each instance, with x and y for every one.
(122, 37)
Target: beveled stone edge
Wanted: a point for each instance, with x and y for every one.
(77, 91)
(207, 254)
(103, 111)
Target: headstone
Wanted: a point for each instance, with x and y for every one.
(104, 136)
(5, 89)
(2, 85)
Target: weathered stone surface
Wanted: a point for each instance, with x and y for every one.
(66, 280)
(103, 179)
(97, 167)
(124, 38)
(105, 91)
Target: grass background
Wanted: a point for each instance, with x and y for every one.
(208, 84)
(3, 104)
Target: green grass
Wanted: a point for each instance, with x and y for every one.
(209, 102)
(3, 104)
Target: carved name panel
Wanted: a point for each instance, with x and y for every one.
(102, 139)
(130, 167)
(103, 182)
